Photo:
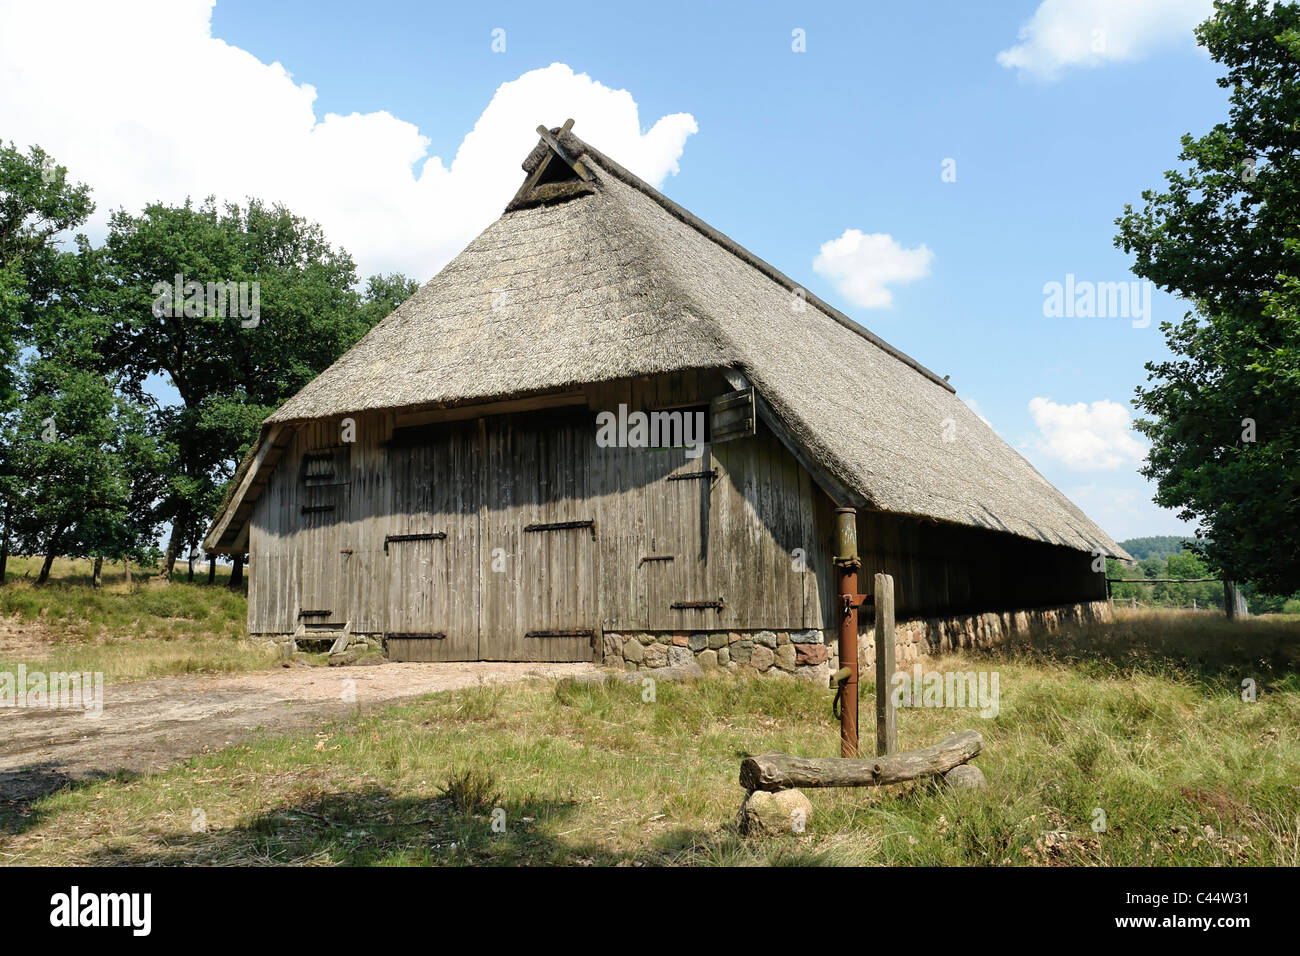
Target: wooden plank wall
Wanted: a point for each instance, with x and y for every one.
(948, 569)
(431, 587)
(541, 580)
(730, 539)
(758, 536)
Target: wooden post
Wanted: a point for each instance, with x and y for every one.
(847, 564)
(886, 717)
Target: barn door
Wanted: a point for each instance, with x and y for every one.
(428, 621)
(431, 550)
(678, 511)
(559, 610)
(539, 559)
(322, 560)
(322, 570)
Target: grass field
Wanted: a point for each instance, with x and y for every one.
(1143, 720)
(125, 631)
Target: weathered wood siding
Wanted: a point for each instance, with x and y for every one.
(522, 539)
(499, 580)
(942, 569)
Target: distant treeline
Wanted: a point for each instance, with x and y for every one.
(1168, 556)
(1158, 546)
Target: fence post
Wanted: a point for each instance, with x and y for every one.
(886, 717)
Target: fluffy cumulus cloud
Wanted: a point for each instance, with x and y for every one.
(862, 266)
(138, 99)
(1086, 437)
(1089, 33)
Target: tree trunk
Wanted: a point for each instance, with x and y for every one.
(4, 545)
(190, 561)
(212, 569)
(169, 556)
(1234, 602)
(777, 771)
(126, 568)
(237, 571)
(51, 552)
(97, 579)
(45, 567)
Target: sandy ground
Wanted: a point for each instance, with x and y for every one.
(24, 641)
(149, 725)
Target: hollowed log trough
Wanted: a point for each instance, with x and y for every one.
(778, 771)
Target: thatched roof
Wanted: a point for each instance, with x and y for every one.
(602, 278)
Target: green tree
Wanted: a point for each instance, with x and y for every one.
(37, 204)
(1224, 412)
(87, 460)
(298, 309)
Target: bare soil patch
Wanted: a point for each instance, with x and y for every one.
(150, 724)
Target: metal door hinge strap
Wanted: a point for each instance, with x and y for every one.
(415, 636)
(711, 474)
(657, 557)
(432, 536)
(305, 613)
(563, 526)
(575, 633)
(312, 509)
(700, 605)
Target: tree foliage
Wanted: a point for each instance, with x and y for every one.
(1224, 411)
(237, 308)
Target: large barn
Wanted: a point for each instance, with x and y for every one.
(511, 465)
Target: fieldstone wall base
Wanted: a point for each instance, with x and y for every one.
(814, 655)
(918, 638)
(776, 653)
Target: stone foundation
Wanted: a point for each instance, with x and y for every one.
(319, 639)
(790, 653)
(814, 654)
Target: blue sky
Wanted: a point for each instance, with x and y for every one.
(790, 151)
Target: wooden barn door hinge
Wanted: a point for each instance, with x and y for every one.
(717, 605)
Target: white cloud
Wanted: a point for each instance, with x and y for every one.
(1090, 33)
(862, 266)
(1086, 437)
(139, 100)
(974, 407)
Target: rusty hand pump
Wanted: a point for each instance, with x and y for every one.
(847, 564)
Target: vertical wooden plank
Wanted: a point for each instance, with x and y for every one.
(886, 718)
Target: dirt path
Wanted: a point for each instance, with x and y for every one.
(149, 725)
